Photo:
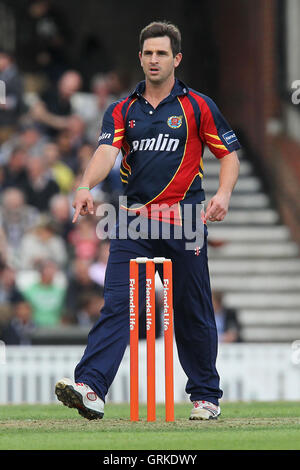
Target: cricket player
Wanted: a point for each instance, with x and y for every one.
(162, 128)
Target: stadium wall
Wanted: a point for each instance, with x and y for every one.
(256, 372)
(255, 93)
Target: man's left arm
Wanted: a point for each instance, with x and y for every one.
(218, 205)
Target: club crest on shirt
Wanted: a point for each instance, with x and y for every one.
(174, 121)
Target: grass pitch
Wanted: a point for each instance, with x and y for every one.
(242, 426)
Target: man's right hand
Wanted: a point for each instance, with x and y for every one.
(83, 203)
(97, 170)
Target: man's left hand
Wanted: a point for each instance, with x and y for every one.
(217, 207)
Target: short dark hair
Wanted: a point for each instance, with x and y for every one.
(158, 29)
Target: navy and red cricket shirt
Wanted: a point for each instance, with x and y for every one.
(163, 147)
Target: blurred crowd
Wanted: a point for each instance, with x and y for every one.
(51, 271)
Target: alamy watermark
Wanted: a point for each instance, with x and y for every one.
(156, 221)
(295, 97)
(295, 354)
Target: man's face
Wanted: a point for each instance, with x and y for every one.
(69, 84)
(157, 59)
(5, 61)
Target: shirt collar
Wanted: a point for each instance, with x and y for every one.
(178, 89)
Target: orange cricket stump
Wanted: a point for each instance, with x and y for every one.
(134, 339)
(150, 337)
(150, 332)
(168, 339)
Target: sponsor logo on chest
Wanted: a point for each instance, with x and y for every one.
(158, 144)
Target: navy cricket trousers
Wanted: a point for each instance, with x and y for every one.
(194, 320)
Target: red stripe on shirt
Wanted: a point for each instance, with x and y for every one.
(189, 165)
(208, 126)
(119, 122)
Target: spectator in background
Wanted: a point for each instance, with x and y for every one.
(61, 173)
(80, 288)
(68, 154)
(9, 292)
(77, 128)
(60, 212)
(42, 243)
(42, 37)
(98, 267)
(118, 83)
(14, 171)
(92, 47)
(84, 240)
(31, 138)
(27, 137)
(19, 328)
(106, 88)
(70, 141)
(3, 247)
(46, 297)
(54, 107)
(14, 106)
(228, 326)
(93, 105)
(84, 154)
(60, 215)
(89, 310)
(40, 185)
(16, 219)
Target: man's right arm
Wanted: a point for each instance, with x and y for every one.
(97, 170)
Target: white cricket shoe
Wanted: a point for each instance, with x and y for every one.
(81, 397)
(205, 410)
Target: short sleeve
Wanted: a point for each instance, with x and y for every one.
(215, 130)
(113, 129)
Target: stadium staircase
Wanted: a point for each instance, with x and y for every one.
(253, 259)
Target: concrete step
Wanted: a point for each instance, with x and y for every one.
(244, 184)
(269, 283)
(258, 300)
(212, 168)
(245, 266)
(268, 334)
(243, 234)
(249, 217)
(244, 200)
(207, 155)
(258, 267)
(270, 318)
(254, 250)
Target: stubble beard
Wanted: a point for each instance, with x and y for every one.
(159, 80)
